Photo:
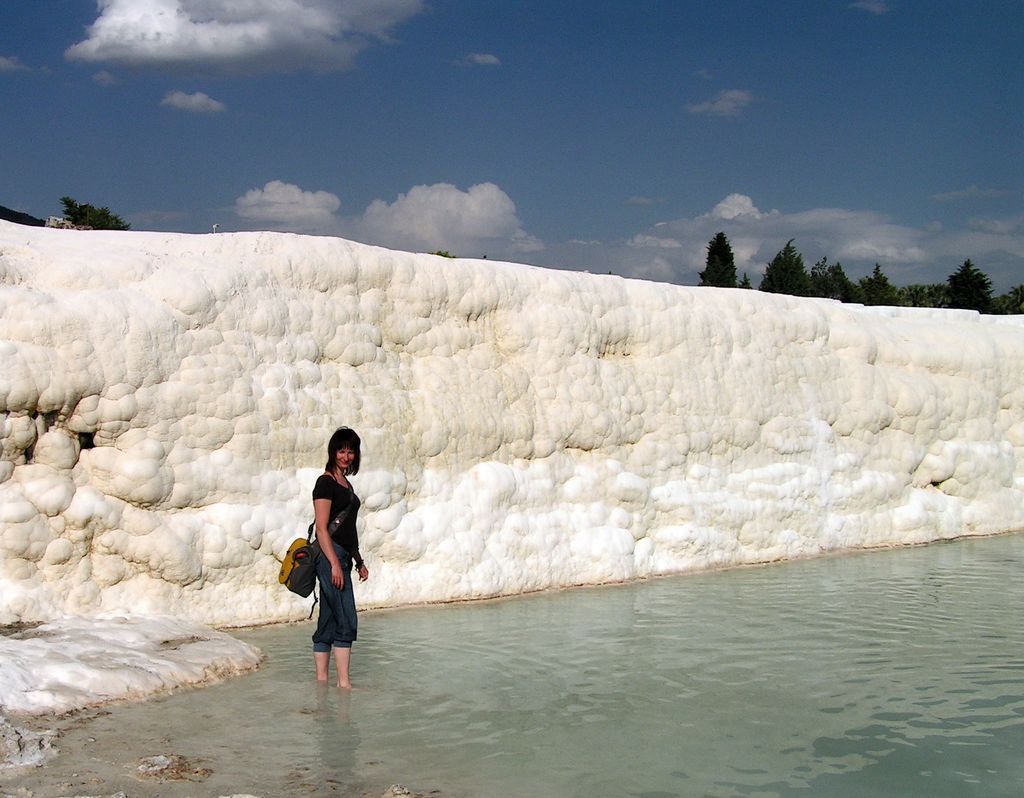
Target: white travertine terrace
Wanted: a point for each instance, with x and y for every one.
(165, 402)
(77, 662)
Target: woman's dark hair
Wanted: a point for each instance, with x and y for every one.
(343, 438)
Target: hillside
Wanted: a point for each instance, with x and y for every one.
(18, 217)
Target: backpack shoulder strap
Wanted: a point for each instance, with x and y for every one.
(332, 527)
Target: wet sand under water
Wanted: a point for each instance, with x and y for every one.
(93, 752)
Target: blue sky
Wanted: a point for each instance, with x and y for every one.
(613, 136)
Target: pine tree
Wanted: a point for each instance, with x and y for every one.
(829, 280)
(1011, 303)
(924, 295)
(720, 269)
(877, 290)
(786, 273)
(85, 215)
(1016, 297)
(745, 282)
(970, 288)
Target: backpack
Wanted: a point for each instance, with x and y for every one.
(298, 569)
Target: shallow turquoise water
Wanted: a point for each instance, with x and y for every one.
(889, 673)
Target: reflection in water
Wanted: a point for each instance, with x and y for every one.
(885, 674)
(337, 735)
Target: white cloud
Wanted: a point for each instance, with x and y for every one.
(658, 268)
(854, 237)
(735, 206)
(105, 78)
(1005, 226)
(477, 221)
(863, 236)
(197, 103)
(676, 250)
(284, 205)
(971, 192)
(483, 220)
(876, 7)
(643, 240)
(11, 64)
(638, 200)
(482, 59)
(245, 36)
(725, 103)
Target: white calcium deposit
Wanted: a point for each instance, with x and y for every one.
(76, 662)
(166, 400)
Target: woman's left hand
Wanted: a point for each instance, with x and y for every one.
(363, 573)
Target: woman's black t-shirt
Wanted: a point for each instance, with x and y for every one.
(341, 497)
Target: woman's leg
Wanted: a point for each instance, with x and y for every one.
(346, 627)
(342, 658)
(337, 623)
(326, 622)
(322, 661)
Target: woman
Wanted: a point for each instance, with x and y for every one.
(335, 506)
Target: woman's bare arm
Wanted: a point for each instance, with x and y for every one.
(321, 517)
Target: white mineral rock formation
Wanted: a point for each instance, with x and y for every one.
(165, 402)
(76, 662)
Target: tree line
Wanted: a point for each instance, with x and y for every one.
(968, 287)
(82, 214)
(79, 214)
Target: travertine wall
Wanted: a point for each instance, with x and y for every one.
(165, 402)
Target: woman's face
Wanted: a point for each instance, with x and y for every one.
(343, 458)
